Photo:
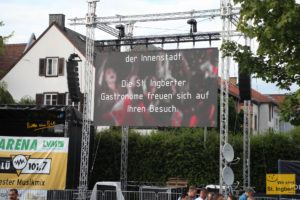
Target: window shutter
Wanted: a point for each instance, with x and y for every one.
(42, 71)
(61, 62)
(39, 99)
(61, 99)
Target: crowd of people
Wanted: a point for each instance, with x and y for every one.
(191, 194)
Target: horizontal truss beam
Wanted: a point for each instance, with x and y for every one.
(156, 17)
(164, 39)
(159, 40)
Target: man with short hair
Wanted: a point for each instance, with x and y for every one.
(210, 196)
(192, 193)
(13, 194)
(249, 192)
(203, 194)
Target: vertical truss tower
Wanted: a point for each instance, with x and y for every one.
(87, 102)
(226, 15)
(124, 158)
(125, 129)
(246, 133)
(246, 144)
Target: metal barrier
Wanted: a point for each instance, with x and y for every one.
(100, 195)
(275, 198)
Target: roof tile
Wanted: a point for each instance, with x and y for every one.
(234, 91)
(12, 53)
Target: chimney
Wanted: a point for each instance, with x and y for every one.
(233, 80)
(58, 19)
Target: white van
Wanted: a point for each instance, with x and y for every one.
(111, 191)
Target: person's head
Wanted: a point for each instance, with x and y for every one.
(192, 191)
(216, 196)
(13, 194)
(231, 197)
(110, 76)
(210, 196)
(183, 196)
(249, 192)
(150, 87)
(250, 198)
(221, 197)
(203, 193)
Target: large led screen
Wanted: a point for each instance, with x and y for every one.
(157, 88)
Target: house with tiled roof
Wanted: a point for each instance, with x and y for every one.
(40, 71)
(264, 110)
(284, 126)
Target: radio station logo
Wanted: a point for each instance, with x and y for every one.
(19, 163)
(24, 164)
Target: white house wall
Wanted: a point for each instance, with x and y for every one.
(276, 119)
(255, 113)
(264, 123)
(286, 126)
(24, 80)
(263, 118)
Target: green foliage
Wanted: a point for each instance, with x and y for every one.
(277, 58)
(26, 100)
(290, 108)
(235, 124)
(183, 154)
(5, 96)
(3, 40)
(274, 24)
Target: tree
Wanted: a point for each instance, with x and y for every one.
(290, 108)
(5, 96)
(27, 100)
(2, 42)
(3, 39)
(235, 119)
(274, 26)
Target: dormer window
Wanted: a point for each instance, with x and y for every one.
(51, 66)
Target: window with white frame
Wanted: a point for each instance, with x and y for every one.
(50, 99)
(69, 102)
(51, 66)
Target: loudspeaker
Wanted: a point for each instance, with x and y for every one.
(73, 78)
(244, 85)
(244, 79)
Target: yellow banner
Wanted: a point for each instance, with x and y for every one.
(43, 168)
(281, 184)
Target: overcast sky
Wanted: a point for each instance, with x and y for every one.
(24, 17)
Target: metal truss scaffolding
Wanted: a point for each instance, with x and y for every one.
(161, 39)
(125, 129)
(124, 158)
(246, 144)
(196, 14)
(90, 35)
(226, 12)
